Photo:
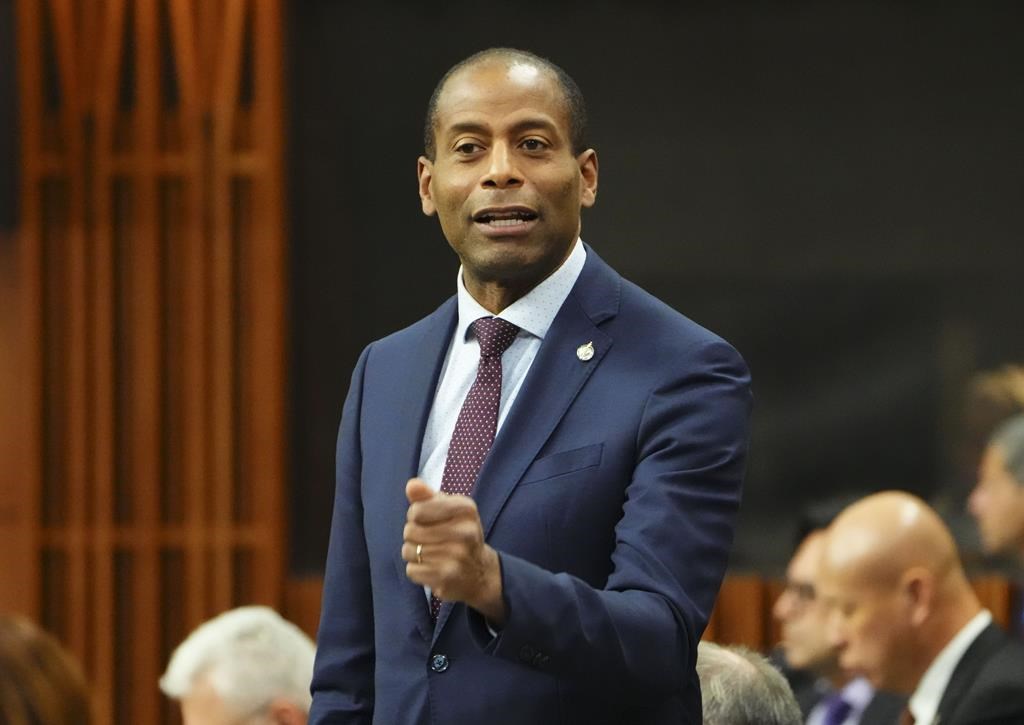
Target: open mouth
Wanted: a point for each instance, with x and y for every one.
(499, 218)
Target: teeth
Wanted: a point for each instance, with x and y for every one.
(505, 220)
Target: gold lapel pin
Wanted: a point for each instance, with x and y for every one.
(585, 352)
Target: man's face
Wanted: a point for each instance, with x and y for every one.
(204, 706)
(803, 618)
(504, 182)
(870, 627)
(997, 504)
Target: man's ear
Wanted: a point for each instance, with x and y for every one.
(588, 170)
(424, 173)
(918, 587)
(283, 712)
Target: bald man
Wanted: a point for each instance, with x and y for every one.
(902, 613)
(997, 502)
(831, 696)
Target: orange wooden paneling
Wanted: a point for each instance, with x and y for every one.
(996, 594)
(302, 602)
(149, 462)
(738, 617)
(18, 512)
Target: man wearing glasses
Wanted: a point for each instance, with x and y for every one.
(826, 694)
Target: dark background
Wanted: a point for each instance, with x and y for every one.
(835, 187)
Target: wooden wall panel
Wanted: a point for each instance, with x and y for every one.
(151, 313)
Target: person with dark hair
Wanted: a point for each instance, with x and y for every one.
(997, 502)
(40, 683)
(536, 484)
(829, 695)
(741, 687)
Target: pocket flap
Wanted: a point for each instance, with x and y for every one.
(558, 464)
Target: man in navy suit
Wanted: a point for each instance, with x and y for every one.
(537, 483)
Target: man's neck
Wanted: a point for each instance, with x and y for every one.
(496, 296)
(945, 628)
(838, 678)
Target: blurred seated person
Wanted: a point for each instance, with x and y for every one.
(40, 683)
(740, 687)
(997, 502)
(829, 696)
(247, 666)
(902, 613)
(991, 397)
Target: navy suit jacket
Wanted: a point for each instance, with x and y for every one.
(610, 494)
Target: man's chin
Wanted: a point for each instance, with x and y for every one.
(513, 265)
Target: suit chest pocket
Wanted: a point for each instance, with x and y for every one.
(562, 463)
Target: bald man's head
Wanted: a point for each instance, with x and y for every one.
(895, 590)
(880, 537)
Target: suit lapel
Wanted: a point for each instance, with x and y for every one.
(555, 378)
(967, 669)
(553, 382)
(419, 383)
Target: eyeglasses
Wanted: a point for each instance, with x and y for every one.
(802, 591)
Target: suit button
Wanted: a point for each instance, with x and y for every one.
(439, 663)
(526, 654)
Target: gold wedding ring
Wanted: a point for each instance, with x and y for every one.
(419, 553)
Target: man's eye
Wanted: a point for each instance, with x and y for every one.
(467, 147)
(533, 144)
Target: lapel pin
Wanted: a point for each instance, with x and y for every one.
(585, 352)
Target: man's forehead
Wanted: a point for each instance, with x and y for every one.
(501, 87)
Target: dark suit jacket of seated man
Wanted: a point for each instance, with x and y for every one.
(575, 582)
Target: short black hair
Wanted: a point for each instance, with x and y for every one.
(574, 104)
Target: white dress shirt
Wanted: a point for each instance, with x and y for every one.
(533, 314)
(924, 703)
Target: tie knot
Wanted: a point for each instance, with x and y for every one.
(494, 335)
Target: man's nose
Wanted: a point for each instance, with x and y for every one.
(501, 169)
(783, 606)
(976, 502)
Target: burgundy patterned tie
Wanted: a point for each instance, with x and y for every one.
(478, 419)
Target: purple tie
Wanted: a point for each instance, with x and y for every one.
(478, 419)
(836, 710)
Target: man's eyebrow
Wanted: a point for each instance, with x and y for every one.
(526, 124)
(467, 127)
(534, 123)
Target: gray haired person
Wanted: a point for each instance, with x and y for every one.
(997, 502)
(247, 666)
(740, 687)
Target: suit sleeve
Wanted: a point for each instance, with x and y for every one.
(637, 636)
(342, 684)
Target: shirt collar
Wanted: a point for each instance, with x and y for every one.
(533, 312)
(924, 703)
(858, 692)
